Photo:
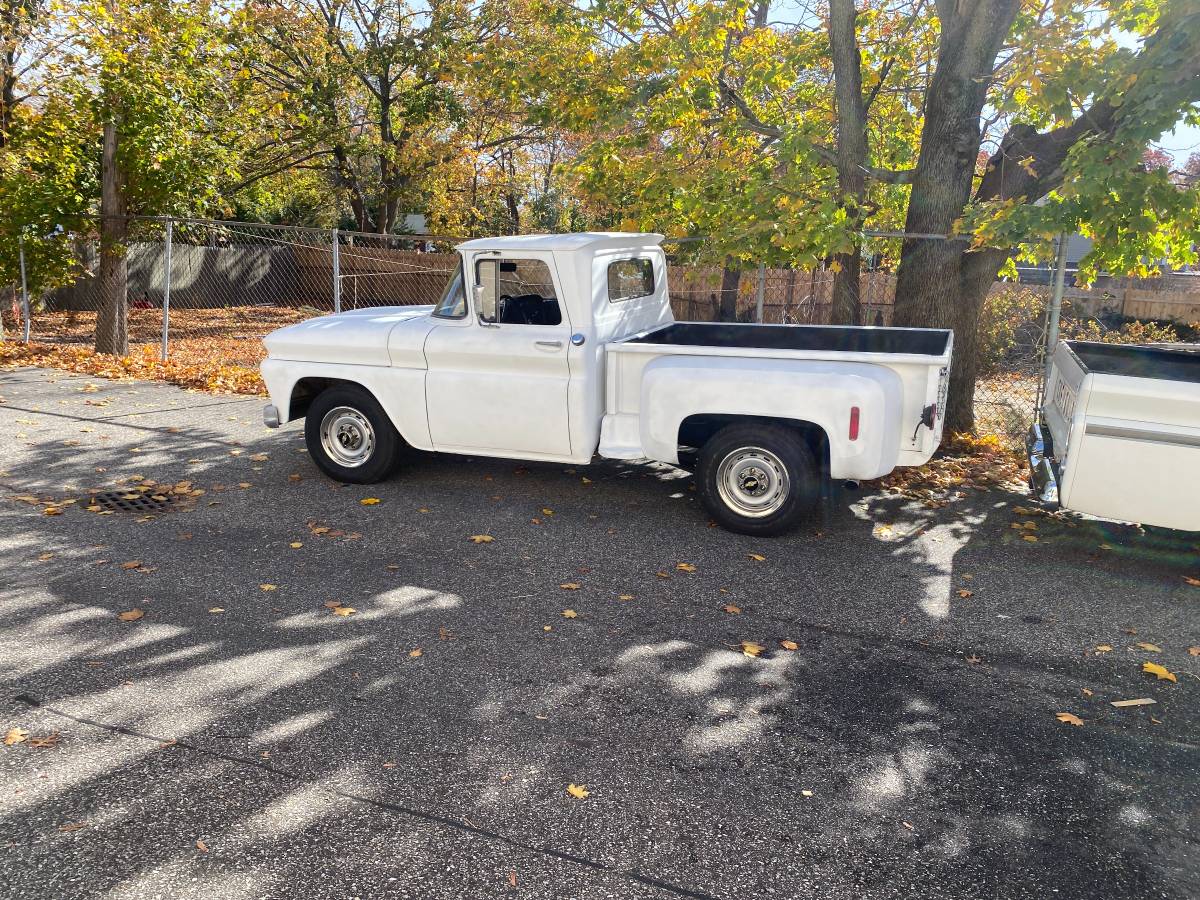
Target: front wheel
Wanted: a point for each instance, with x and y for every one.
(758, 479)
(350, 437)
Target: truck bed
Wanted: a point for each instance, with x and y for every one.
(1137, 361)
(812, 338)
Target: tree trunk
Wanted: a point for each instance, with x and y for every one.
(731, 279)
(112, 334)
(851, 154)
(939, 283)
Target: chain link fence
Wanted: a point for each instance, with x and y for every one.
(204, 293)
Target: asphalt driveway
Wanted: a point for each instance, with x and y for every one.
(246, 736)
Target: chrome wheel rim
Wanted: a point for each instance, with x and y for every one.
(753, 482)
(347, 437)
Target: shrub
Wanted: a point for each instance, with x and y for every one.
(1011, 319)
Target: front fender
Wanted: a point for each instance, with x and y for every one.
(675, 387)
(401, 392)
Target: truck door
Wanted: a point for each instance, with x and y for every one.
(497, 380)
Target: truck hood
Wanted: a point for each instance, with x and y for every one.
(359, 336)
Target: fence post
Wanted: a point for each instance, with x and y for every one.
(762, 286)
(24, 290)
(166, 316)
(337, 276)
(1052, 316)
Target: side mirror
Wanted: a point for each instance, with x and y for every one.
(485, 304)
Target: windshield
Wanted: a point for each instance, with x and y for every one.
(453, 304)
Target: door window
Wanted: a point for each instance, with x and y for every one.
(517, 292)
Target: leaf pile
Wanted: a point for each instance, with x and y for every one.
(963, 462)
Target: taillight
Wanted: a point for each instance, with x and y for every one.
(854, 423)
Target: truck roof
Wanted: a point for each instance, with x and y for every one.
(584, 240)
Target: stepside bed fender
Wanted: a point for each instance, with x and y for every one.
(823, 393)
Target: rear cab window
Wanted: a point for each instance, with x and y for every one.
(629, 279)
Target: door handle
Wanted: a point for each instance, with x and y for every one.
(550, 345)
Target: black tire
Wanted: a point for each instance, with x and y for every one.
(358, 411)
(751, 456)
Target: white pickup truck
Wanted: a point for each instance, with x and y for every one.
(1119, 434)
(559, 347)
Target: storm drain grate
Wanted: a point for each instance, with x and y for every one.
(132, 501)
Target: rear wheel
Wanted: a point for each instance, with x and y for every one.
(350, 437)
(757, 479)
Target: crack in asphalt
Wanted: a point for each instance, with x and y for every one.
(422, 815)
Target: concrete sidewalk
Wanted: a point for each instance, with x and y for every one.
(909, 746)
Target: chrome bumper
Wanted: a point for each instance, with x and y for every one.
(1043, 474)
(270, 416)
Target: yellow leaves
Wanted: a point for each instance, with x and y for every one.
(789, 645)
(1031, 538)
(52, 511)
(883, 530)
(964, 593)
(267, 588)
(1194, 651)
(1152, 648)
(369, 501)
(750, 648)
(835, 266)
(343, 611)
(415, 652)
(731, 609)
(15, 736)
(625, 597)
(570, 614)
(570, 585)
(1104, 648)
(757, 557)
(296, 545)
(578, 791)
(685, 567)
(1194, 582)
(49, 742)
(661, 575)
(131, 615)
(547, 511)
(216, 610)
(1068, 718)
(481, 539)
(1160, 672)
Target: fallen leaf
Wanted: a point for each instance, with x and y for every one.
(131, 616)
(1032, 538)
(44, 557)
(1194, 651)
(757, 557)
(806, 793)
(964, 593)
(661, 575)
(72, 826)
(52, 511)
(481, 538)
(295, 476)
(1153, 648)
(974, 660)
(1103, 648)
(685, 567)
(1159, 671)
(570, 585)
(243, 484)
(731, 609)
(749, 648)
(1140, 701)
(267, 587)
(570, 614)
(1194, 582)
(512, 879)
(883, 530)
(369, 501)
(546, 511)
(578, 791)
(15, 736)
(201, 846)
(547, 628)
(132, 564)
(1069, 718)
(296, 545)
(1087, 692)
(344, 610)
(630, 597)
(216, 609)
(415, 653)
(789, 645)
(332, 604)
